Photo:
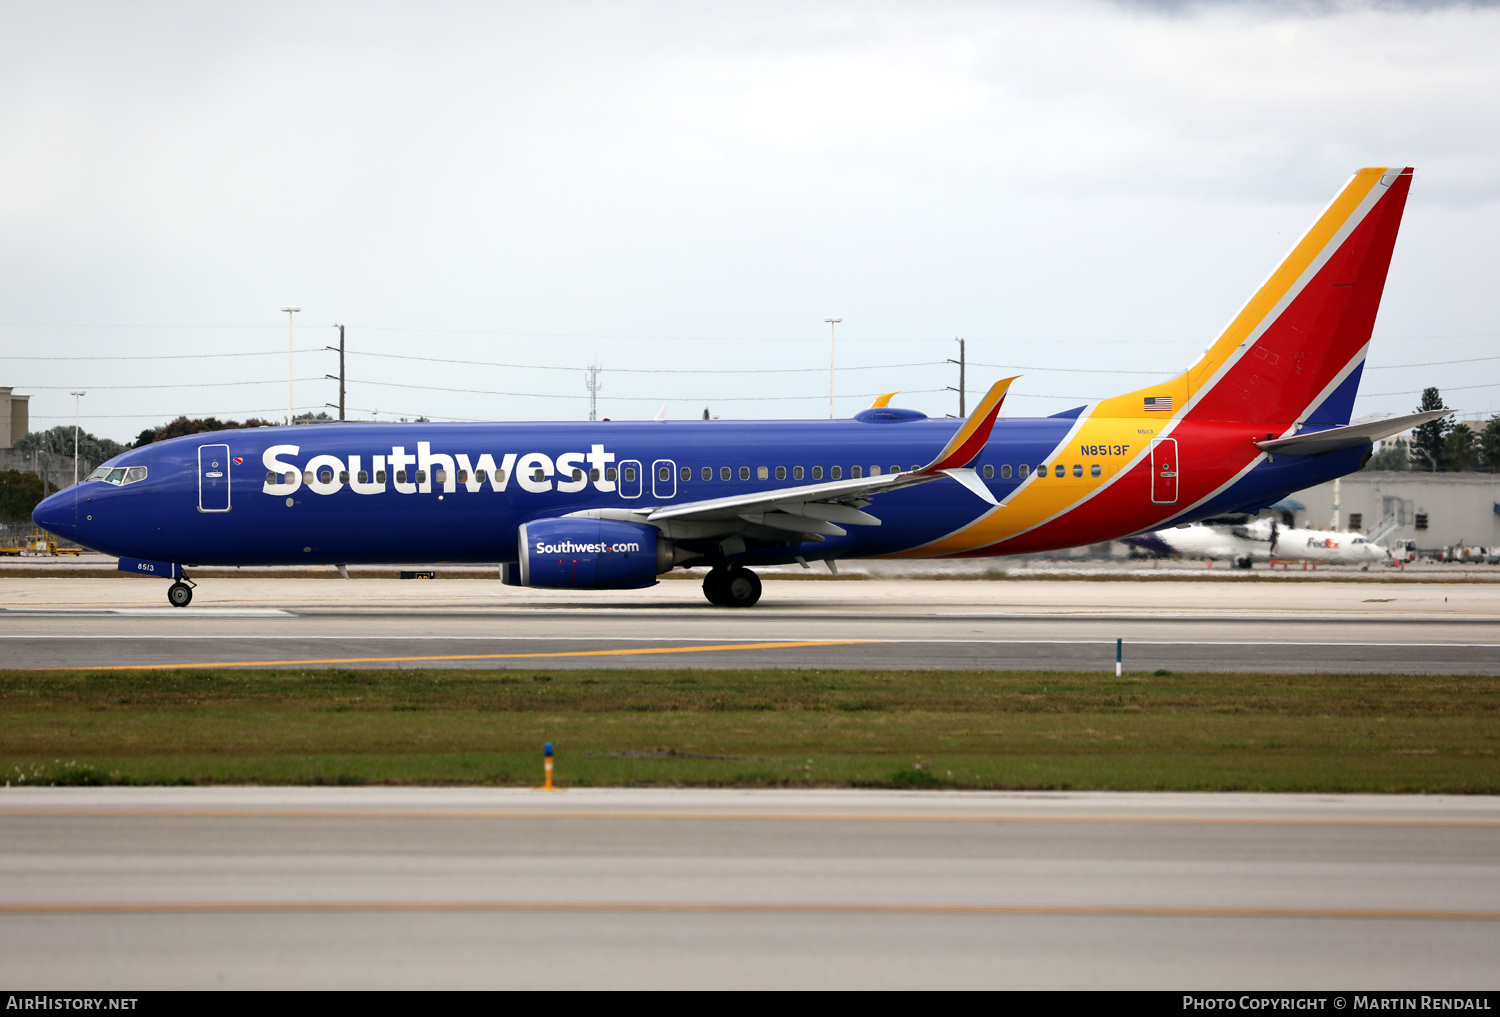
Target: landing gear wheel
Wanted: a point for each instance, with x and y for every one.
(713, 586)
(741, 588)
(179, 595)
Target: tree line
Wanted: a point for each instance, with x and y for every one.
(1442, 446)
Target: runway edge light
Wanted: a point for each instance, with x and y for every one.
(1119, 655)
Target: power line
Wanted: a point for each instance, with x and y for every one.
(643, 399)
(641, 370)
(184, 384)
(168, 356)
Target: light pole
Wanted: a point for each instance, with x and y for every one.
(833, 323)
(76, 396)
(289, 312)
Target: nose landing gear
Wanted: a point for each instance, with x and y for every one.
(736, 587)
(180, 593)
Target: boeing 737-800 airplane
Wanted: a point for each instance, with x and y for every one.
(612, 505)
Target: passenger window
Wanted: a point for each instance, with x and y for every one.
(594, 475)
(271, 478)
(536, 476)
(1005, 471)
(1077, 469)
(463, 476)
(761, 473)
(665, 473)
(708, 473)
(421, 476)
(1095, 470)
(440, 476)
(1041, 471)
(343, 476)
(325, 476)
(1059, 470)
(835, 472)
(307, 478)
(364, 476)
(379, 476)
(1025, 471)
(796, 473)
(609, 474)
(577, 475)
(874, 471)
(481, 475)
(687, 473)
(744, 473)
(895, 469)
(724, 473)
(989, 472)
(629, 474)
(781, 473)
(857, 472)
(817, 473)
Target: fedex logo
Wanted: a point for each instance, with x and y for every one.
(414, 473)
(1323, 542)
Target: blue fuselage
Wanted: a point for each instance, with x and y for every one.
(459, 492)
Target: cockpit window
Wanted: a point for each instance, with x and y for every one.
(119, 475)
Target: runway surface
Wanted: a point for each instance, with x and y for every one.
(123, 888)
(1345, 627)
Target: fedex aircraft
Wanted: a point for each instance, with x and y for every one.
(1263, 540)
(612, 505)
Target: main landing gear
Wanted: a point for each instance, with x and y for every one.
(736, 587)
(180, 593)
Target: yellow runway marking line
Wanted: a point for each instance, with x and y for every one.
(633, 651)
(765, 817)
(734, 907)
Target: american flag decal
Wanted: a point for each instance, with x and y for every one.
(1159, 403)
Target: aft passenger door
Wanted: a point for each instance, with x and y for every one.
(213, 478)
(1164, 471)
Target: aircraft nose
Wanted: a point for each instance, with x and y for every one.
(58, 513)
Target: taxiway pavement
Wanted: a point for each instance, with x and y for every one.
(1344, 627)
(120, 888)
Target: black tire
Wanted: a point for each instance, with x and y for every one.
(713, 586)
(741, 588)
(179, 595)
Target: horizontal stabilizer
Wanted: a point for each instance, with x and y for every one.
(1351, 436)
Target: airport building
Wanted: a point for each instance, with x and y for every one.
(15, 417)
(1436, 510)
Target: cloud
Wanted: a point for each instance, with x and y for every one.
(1027, 172)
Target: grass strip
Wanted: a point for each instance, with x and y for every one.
(754, 728)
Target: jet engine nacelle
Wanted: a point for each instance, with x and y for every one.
(591, 554)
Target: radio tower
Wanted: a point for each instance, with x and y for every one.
(593, 386)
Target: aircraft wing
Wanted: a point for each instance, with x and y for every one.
(816, 510)
(1317, 442)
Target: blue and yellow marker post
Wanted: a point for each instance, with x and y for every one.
(547, 766)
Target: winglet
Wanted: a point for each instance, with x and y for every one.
(965, 445)
(883, 401)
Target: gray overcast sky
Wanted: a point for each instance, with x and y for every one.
(1081, 189)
